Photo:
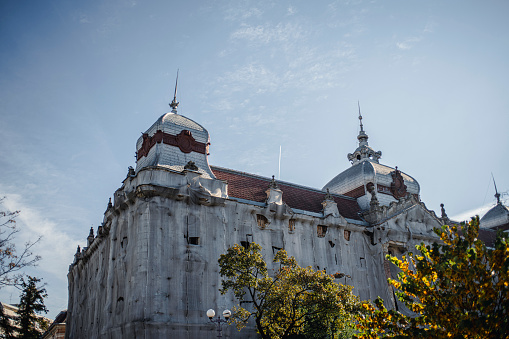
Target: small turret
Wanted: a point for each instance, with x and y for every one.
(90, 238)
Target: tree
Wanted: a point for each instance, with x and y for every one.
(458, 288)
(294, 301)
(31, 302)
(12, 262)
(6, 324)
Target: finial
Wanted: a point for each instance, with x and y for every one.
(174, 104)
(273, 183)
(110, 205)
(360, 116)
(497, 195)
(328, 196)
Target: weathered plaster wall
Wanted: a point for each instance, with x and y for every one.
(152, 272)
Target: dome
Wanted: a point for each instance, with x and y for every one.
(497, 216)
(174, 142)
(367, 174)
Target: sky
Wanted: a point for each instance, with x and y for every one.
(81, 80)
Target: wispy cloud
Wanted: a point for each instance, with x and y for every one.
(240, 13)
(407, 43)
(32, 224)
(269, 33)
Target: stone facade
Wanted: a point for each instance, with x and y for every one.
(151, 270)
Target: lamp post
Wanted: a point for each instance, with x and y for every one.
(218, 321)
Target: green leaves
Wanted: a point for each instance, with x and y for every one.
(458, 288)
(294, 300)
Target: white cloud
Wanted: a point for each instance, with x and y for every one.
(269, 33)
(55, 247)
(239, 14)
(408, 43)
(430, 27)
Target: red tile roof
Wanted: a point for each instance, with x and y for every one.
(252, 187)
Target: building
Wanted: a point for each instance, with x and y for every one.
(150, 270)
(57, 328)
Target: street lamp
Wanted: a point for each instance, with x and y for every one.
(218, 321)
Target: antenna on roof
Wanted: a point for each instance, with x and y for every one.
(497, 195)
(360, 116)
(174, 104)
(279, 172)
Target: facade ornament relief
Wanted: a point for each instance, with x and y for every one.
(398, 187)
(191, 166)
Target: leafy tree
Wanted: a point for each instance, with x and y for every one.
(31, 302)
(458, 288)
(11, 261)
(293, 301)
(6, 324)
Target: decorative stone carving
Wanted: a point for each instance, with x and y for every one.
(274, 194)
(184, 141)
(442, 209)
(330, 207)
(398, 187)
(191, 166)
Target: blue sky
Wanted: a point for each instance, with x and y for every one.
(80, 80)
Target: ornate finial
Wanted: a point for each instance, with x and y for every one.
(110, 205)
(497, 195)
(363, 152)
(273, 183)
(328, 196)
(360, 116)
(174, 104)
(79, 249)
(444, 215)
(91, 234)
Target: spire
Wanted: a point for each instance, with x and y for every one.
(363, 137)
(497, 195)
(360, 116)
(174, 104)
(363, 151)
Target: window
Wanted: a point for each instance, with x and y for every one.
(291, 225)
(321, 230)
(347, 235)
(194, 240)
(262, 221)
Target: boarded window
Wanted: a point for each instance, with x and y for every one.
(262, 221)
(347, 235)
(291, 225)
(321, 230)
(275, 249)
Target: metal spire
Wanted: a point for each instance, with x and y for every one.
(360, 116)
(174, 104)
(497, 195)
